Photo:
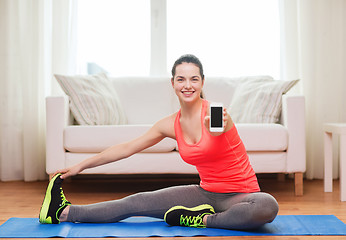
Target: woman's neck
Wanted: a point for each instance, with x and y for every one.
(189, 110)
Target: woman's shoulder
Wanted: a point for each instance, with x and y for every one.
(166, 125)
(169, 119)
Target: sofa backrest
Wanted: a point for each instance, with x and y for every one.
(148, 99)
(220, 89)
(145, 99)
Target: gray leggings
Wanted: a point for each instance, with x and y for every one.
(233, 210)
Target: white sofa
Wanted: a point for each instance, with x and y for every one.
(272, 148)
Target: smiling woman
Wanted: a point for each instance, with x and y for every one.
(228, 195)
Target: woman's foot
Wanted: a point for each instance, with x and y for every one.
(189, 217)
(54, 202)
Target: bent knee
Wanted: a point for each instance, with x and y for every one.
(268, 208)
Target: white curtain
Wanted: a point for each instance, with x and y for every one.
(27, 56)
(314, 50)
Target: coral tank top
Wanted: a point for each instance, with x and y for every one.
(222, 161)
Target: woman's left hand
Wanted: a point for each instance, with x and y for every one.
(227, 123)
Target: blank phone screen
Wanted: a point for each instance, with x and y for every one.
(216, 117)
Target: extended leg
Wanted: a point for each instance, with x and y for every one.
(152, 204)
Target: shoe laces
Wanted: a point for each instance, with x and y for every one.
(63, 198)
(193, 221)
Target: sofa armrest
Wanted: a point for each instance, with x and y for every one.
(58, 116)
(293, 117)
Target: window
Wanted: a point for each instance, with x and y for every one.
(231, 37)
(115, 36)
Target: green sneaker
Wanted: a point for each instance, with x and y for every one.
(189, 217)
(54, 202)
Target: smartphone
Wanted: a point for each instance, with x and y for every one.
(216, 117)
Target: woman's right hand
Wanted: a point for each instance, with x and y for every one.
(68, 172)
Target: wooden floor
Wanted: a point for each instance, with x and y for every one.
(20, 199)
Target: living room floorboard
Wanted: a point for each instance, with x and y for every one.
(23, 199)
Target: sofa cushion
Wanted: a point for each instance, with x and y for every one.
(93, 100)
(94, 139)
(222, 89)
(259, 100)
(263, 137)
(268, 162)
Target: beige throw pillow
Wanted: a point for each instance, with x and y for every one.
(259, 100)
(93, 99)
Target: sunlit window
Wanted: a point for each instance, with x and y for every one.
(231, 37)
(115, 36)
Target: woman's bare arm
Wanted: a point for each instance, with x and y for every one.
(160, 130)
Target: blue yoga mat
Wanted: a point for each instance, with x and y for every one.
(152, 227)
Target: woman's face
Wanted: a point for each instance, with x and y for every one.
(187, 82)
